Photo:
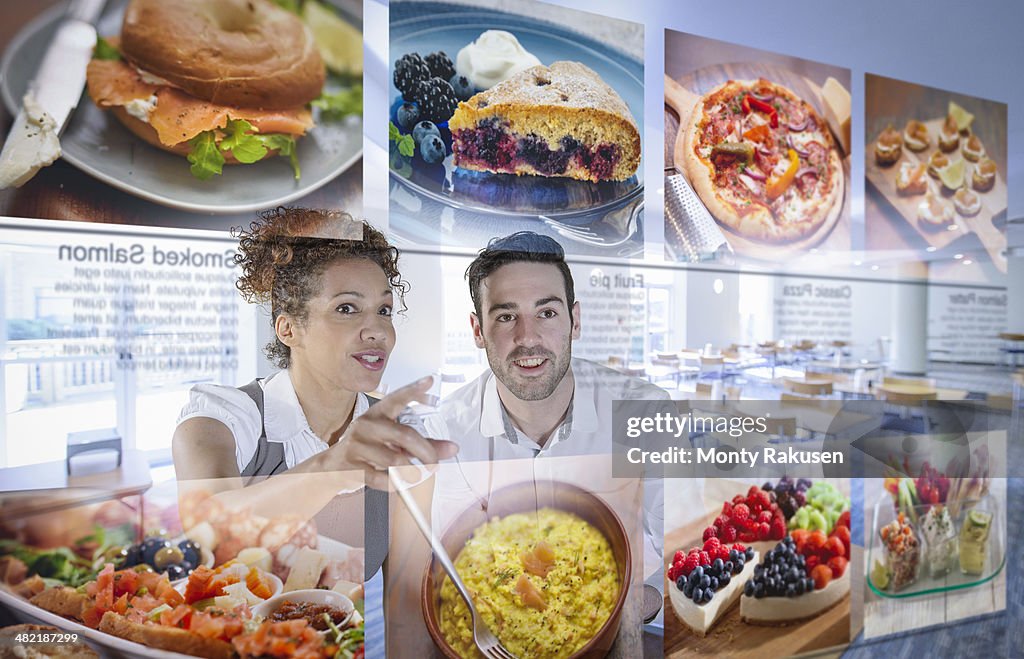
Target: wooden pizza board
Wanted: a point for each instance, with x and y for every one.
(993, 202)
(683, 95)
(730, 636)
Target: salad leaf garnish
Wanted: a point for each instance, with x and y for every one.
(335, 106)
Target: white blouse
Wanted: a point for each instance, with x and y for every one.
(283, 420)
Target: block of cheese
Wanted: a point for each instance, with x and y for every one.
(837, 111)
(306, 569)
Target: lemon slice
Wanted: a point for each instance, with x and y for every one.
(952, 176)
(340, 43)
(880, 575)
(962, 117)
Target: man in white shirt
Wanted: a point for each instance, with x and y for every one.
(536, 400)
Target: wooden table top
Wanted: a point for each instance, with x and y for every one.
(1011, 336)
(941, 393)
(844, 366)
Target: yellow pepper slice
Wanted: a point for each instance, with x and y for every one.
(776, 186)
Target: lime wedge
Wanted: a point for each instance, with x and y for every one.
(340, 43)
(952, 176)
(979, 519)
(880, 575)
(962, 117)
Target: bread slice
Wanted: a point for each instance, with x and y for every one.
(62, 648)
(64, 601)
(161, 637)
(562, 120)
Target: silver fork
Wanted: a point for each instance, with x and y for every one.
(614, 229)
(485, 640)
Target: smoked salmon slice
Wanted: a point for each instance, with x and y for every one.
(177, 116)
(529, 595)
(540, 560)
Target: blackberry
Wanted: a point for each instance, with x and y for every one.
(436, 99)
(409, 71)
(440, 65)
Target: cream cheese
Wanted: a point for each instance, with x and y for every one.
(140, 108)
(495, 56)
(28, 152)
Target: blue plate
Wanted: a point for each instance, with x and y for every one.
(96, 143)
(428, 27)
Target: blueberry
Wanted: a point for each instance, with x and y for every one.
(714, 583)
(463, 90)
(759, 590)
(809, 585)
(708, 594)
(767, 487)
(432, 149)
(749, 554)
(801, 561)
(698, 595)
(748, 588)
(408, 115)
(718, 565)
(733, 554)
(680, 582)
(699, 571)
(791, 590)
(705, 581)
(687, 589)
(728, 568)
(801, 587)
(739, 564)
(422, 130)
(724, 579)
(758, 571)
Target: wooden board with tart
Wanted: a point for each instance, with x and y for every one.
(778, 197)
(947, 169)
(816, 615)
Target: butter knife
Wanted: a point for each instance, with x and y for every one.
(33, 141)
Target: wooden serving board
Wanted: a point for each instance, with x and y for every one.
(993, 202)
(682, 96)
(730, 636)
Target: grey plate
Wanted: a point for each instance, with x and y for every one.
(95, 142)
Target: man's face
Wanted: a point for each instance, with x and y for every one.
(526, 328)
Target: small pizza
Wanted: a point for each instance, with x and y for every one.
(763, 162)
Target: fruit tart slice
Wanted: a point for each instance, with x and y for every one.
(706, 582)
(561, 120)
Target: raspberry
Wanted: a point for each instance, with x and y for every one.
(753, 491)
(673, 572)
(689, 564)
(728, 534)
(704, 558)
(764, 516)
(711, 545)
(777, 530)
(436, 98)
(748, 536)
(741, 512)
(727, 509)
(440, 65)
(409, 71)
(764, 498)
(710, 533)
(721, 521)
(739, 498)
(723, 553)
(739, 547)
(693, 551)
(764, 530)
(678, 557)
(755, 508)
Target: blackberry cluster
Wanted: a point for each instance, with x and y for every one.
(783, 574)
(436, 99)
(440, 65)
(424, 81)
(410, 69)
(705, 580)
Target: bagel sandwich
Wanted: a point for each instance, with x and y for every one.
(217, 81)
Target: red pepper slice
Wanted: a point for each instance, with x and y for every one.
(751, 103)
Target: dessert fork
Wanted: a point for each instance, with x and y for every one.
(485, 640)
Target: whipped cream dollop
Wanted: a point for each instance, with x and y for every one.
(495, 56)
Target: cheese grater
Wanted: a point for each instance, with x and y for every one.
(690, 230)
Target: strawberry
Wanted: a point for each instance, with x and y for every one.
(838, 565)
(710, 532)
(740, 512)
(844, 519)
(816, 540)
(843, 533)
(834, 547)
(821, 574)
(810, 562)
